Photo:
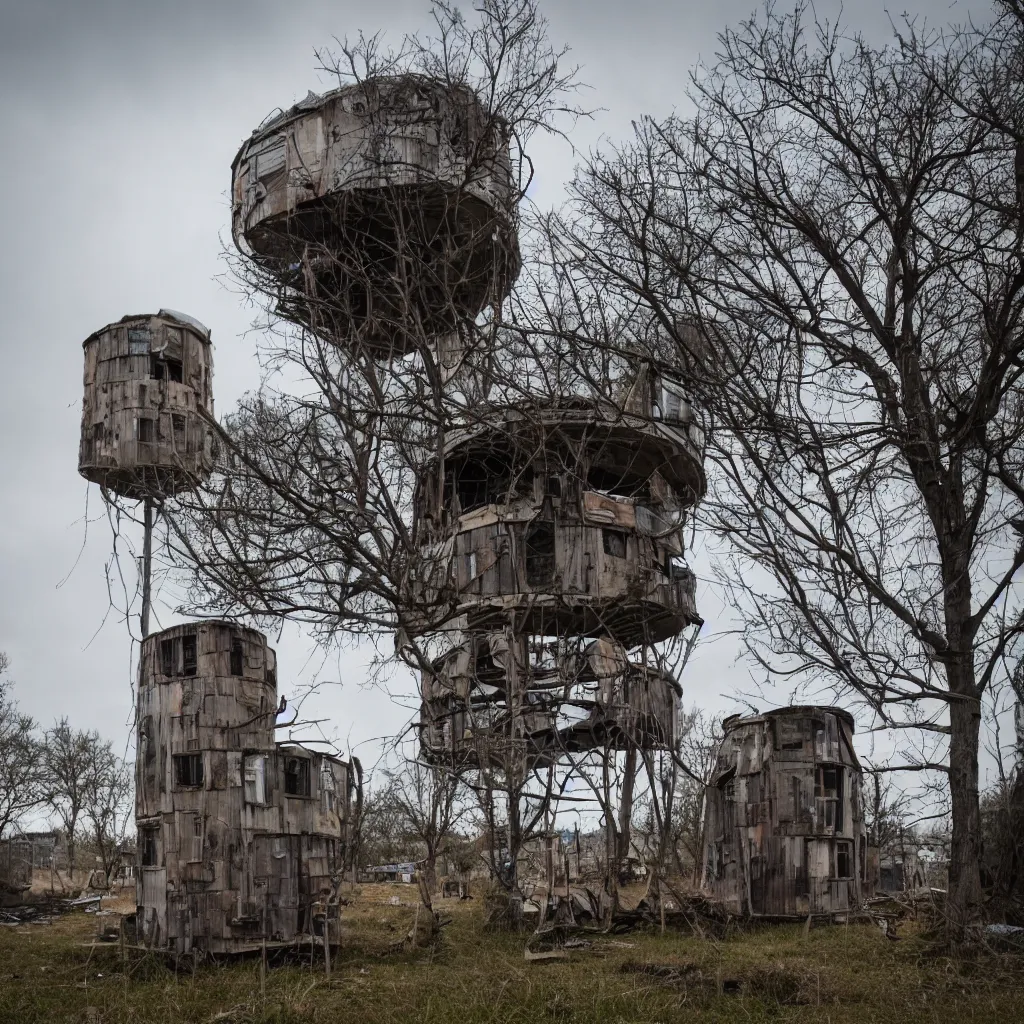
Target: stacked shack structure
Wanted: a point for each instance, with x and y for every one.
(552, 556)
(784, 828)
(242, 840)
(547, 534)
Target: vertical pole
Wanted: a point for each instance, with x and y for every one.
(147, 565)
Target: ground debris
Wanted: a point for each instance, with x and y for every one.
(43, 909)
(772, 984)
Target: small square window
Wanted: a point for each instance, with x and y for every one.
(296, 776)
(188, 655)
(614, 543)
(188, 770)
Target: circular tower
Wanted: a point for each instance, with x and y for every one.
(146, 379)
(383, 211)
(784, 830)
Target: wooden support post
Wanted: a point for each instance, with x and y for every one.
(147, 565)
(327, 944)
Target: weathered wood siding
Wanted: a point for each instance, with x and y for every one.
(784, 828)
(141, 432)
(416, 165)
(240, 838)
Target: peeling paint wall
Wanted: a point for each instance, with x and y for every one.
(241, 839)
(784, 828)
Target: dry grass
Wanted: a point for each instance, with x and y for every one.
(52, 973)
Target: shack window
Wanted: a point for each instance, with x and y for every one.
(296, 776)
(178, 426)
(481, 482)
(671, 404)
(138, 341)
(165, 369)
(169, 657)
(540, 552)
(148, 846)
(188, 654)
(327, 787)
(844, 861)
(614, 543)
(146, 431)
(829, 793)
(255, 779)
(188, 770)
(236, 656)
(790, 733)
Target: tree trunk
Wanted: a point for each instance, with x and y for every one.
(963, 903)
(430, 873)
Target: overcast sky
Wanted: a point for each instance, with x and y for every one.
(119, 122)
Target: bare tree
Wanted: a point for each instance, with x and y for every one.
(108, 806)
(70, 760)
(381, 839)
(831, 246)
(427, 797)
(21, 759)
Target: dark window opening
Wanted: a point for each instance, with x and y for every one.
(146, 432)
(478, 483)
(178, 425)
(148, 847)
(166, 369)
(188, 769)
(142, 394)
(169, 657)
(844, 861)
(236, 656)
(614, 543)
(554, 487)
(270, 675)
(620, 484)
(97, 431)
(540, 552)
(188, 655)
(296, 776)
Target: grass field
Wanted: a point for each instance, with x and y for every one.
(54, 973)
